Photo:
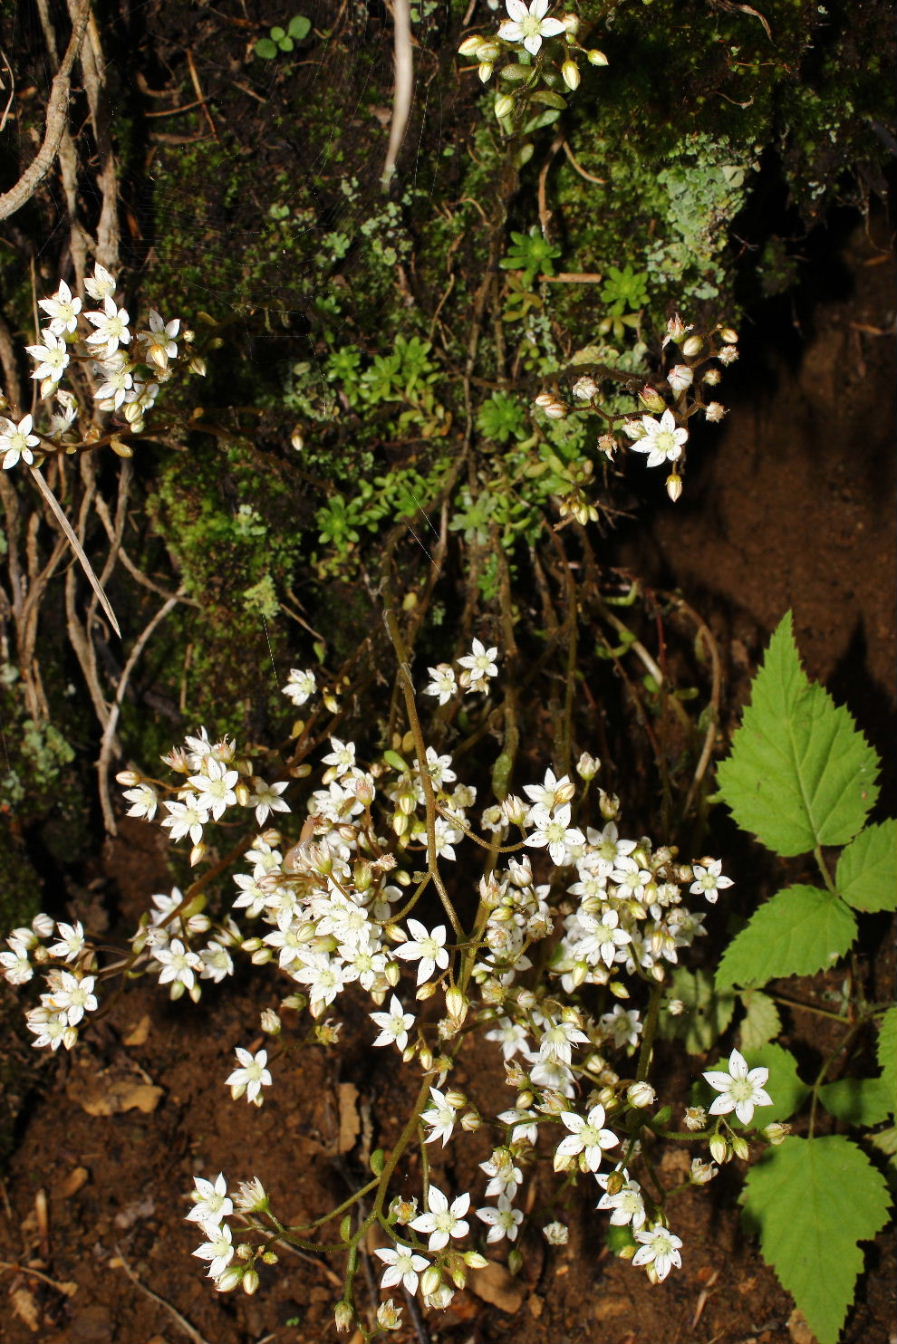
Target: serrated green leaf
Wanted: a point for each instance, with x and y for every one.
(887, 1051)
(867, 869)
(761, 1021)
(858, 1101)
(799, 931)
(812, 1201)
(800, 774)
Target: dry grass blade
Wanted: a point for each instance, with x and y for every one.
(76, 547)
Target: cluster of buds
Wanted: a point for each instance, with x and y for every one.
(521, 37)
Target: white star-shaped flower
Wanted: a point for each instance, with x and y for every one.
(662, 439)
(529, 25)
(741, 1089)
(444, 1220)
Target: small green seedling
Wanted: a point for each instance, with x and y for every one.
(283, 39)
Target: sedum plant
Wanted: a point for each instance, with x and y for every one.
(557, 956)
(802, 779)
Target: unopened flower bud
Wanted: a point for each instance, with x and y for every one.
(741, 1147)
(692, 345)
(230, 1279)
(430, 1280)
(471, 1122)
(297, 439)
(556, 1234)
(651, 398)
(641, 1095)
(570, 74)
(776, 1133)
(485, 71)
(702, 1172)
(729, 336)
(715, 411)
(719, 1149)
(557, 410)
(489, 50)
(571, 24)
(470, 46)
(198, 853)
(455, 1002)
(674, 486)
(250, 1282)
(270, 1022)
(128, 778)
(504, 105)
(596, 57)
(680, 377)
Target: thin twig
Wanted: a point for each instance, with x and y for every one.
(57, 110)
(66, 1288)
(107, 744)
(76, 546)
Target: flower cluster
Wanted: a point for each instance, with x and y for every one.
(477, 669)
(126, 367)
(521, 37)
(343, 909)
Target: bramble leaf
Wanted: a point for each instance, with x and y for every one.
(800, 774)
(798, 931)
(761, 1022)
(858, 1101)
(812, 1201)
(867, 869)
(887, 1051)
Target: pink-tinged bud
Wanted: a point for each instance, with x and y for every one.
(651, 398)
(715, 412)
(692, 346)
(504, 106)
(570, 75)
(596, 57)
(587, 766)
(674, 487)
(680, 377)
